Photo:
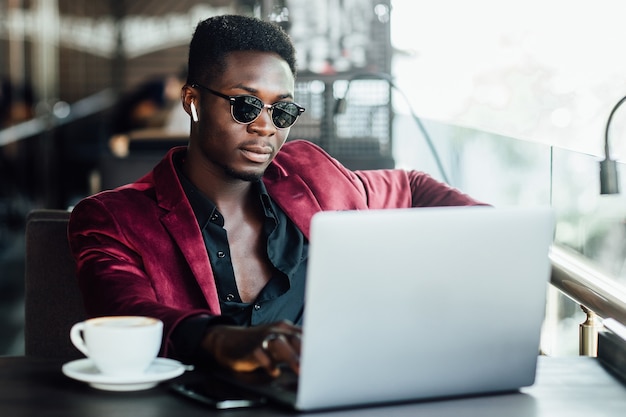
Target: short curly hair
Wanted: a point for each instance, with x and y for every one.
(215, 37)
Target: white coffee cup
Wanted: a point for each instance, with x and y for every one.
(119, 345)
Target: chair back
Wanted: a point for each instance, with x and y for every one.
(53, 301)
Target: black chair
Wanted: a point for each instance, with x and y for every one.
(53, 301)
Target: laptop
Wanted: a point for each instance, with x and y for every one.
(418, 304)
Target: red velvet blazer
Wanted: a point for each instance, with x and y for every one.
(140, 251)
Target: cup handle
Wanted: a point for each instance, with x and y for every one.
(77, 339)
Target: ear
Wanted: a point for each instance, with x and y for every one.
(187, 96)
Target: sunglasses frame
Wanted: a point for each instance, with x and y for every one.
(270, 107)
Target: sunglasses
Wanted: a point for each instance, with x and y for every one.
(245, 109)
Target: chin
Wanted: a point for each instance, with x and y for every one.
(250, 176)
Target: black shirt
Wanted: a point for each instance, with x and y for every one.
(281, 298)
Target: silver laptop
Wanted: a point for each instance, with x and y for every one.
(414, 304)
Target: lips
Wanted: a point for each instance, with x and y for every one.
(257, 154)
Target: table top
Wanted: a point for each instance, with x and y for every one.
(565, 386)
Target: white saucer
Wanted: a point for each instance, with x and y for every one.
(160, 370)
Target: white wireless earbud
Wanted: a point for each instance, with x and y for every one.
(194, 112)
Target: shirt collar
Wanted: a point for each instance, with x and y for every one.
(205, 210)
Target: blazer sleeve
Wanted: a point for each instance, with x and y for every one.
(397, 188)
(114, 275)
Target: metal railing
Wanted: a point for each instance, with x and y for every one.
(60, 114)
(598, 293)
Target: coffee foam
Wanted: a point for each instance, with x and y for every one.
(124, 321)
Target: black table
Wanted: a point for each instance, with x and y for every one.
(565, 386)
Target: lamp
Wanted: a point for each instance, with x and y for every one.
(608, 167)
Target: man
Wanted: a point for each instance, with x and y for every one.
(214, 240)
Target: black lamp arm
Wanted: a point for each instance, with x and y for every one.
(609, 178)
(607, 153)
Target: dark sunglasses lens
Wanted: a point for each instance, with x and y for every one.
(284, 114)
(246, 108)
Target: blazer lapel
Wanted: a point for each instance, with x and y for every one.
(295, 198)
(180, 221)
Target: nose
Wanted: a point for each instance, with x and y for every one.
(263, 124)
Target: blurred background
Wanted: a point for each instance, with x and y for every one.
(508, 101)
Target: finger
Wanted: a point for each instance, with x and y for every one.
(292, 338)
(280, 345)
(271, 359)
(265, 343)
(281, 351)
(265, 361)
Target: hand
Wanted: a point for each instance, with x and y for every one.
(250, 348)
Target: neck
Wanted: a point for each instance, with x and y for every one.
(223, 190)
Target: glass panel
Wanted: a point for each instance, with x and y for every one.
(496, 169)
(589, 222)
(505, 171)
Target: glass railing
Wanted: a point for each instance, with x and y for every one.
(589, 253)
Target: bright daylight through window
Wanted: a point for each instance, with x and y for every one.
(516, 96)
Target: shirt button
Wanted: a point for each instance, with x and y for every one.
(230, 297)
(220, 254)
(214, 217)
(257, 306)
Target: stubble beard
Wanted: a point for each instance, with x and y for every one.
(243, 176)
